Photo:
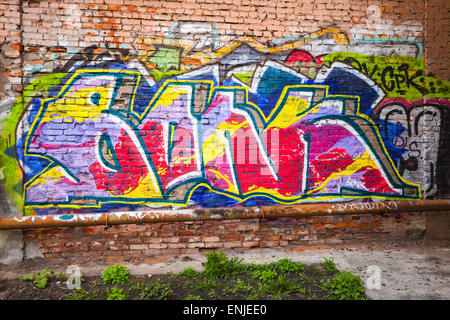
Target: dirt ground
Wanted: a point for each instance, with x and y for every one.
(403, 273)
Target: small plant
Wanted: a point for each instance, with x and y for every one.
(205, 285)
(264, 275)
(281, 287)
(62, 277)
(116, 274)
(27, 277)
(78, 294)
(287, 265)
(254, 296)
(192, 297)
(241, 287)
(156, 289)
(116, 293)
(218, 265)
(39, 279)
(251, 267)
(212, 294)
(138, 287)
(329, 266)
(189, 273)
(345, 286)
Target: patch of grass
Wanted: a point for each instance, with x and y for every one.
(188, 272)
(115, 293)
(287, 265)
(116, 274)
(345, 286)
(329, 266)
(281, 287)
(82, 294)
(78, 294)
(156, 290)
(264, 275)
(206, 285)
(241, 287)
(222, 278)
(218, 265)
(138, 287)
(251, 267)
(254, 296)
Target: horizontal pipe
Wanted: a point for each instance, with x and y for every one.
(269, 212)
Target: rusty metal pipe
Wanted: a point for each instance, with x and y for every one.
(269, 212)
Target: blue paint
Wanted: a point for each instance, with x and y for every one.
(271, 86)
(343, 82)
(66, 217)
(279, 40)
(173, 26)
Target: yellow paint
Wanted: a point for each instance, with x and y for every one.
(291, 112)
(231, 186)
(272, 192)
(53, 174)
(145, 189)
(162, 171)
(77, 106)
(188, 160)
(360, 162)
(210, 55)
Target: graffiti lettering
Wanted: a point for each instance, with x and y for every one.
(194, 134)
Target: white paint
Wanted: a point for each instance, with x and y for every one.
(378, 26)
(196, 28)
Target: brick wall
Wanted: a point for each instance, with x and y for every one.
(152, 243)
(123, 105)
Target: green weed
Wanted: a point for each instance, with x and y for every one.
(82, 294)
(281, 287)
(78, 294)
(241, 287)
(206, 285)
(264, 275)
(62, 277)
(329, 266)
(189, 273)
(287, 265)
(345, 286)
(39, 279)
(116, 293)
(218, 265)
(116, 274)
(157, 289)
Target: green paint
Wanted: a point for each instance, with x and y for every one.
(392, 74)
(244, 77)
(166, 58)
(158, 75)
(12, 171)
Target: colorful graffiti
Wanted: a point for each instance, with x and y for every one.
(185, 124)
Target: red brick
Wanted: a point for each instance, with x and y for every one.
(143, 246)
